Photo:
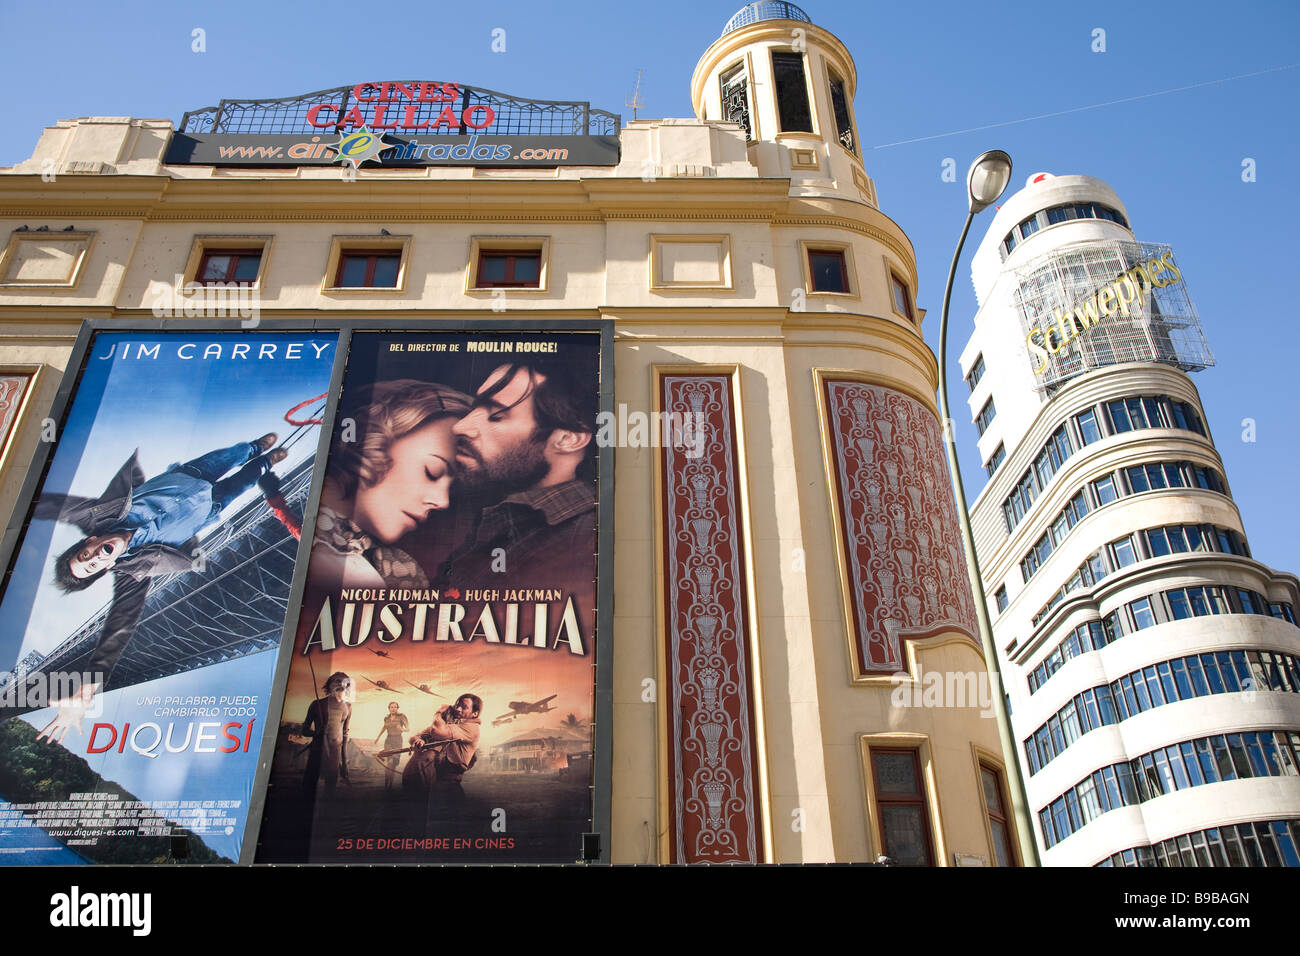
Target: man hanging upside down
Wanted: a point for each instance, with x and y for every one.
(138, 530)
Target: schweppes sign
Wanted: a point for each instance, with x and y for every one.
(1128, 290)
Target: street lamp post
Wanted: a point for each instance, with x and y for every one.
(985, 183)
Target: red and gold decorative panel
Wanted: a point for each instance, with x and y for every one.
(898, 521)
(13, 386)
(714, 809)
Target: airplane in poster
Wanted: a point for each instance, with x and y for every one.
(426, 689)
(519, 708)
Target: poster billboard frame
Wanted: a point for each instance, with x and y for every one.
(595, 850)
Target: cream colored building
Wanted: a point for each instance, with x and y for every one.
(1151, 664)
(741, 252)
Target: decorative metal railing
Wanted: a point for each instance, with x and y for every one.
(512, 115)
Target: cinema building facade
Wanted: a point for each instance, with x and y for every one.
(1151, 663)
(778, 599)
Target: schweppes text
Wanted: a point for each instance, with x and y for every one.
(1127, 290)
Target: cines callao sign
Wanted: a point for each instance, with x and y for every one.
(394, 123)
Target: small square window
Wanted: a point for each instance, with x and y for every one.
(735, 98)
(901, 296)
(1137, 413)
(235, 265)
(1177, 539)
(1088, 426)
(999, 820)
(367, 265)
(998, 456)
(509, 269)
(1105, 488)
(367, 269)
(1142, 614)
(518, 264)
(901, 803)
(828, 270)
(228, 260)
(1178, 605)
(1119, 417)
(840, 109)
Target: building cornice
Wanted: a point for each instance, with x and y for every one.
(161, 197)
(839, 330)
(716, 199)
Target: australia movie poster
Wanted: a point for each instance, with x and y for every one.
(440, 699)
(144, 605)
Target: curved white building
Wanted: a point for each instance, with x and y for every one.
(1152, 666)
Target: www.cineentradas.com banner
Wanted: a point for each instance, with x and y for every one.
(398, 150)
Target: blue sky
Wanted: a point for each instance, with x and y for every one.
(924, 70)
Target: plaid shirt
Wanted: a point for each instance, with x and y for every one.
(544, 532)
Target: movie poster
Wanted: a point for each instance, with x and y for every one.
(145, 602)
(440, 699)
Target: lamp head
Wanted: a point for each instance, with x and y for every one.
(987, 179)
